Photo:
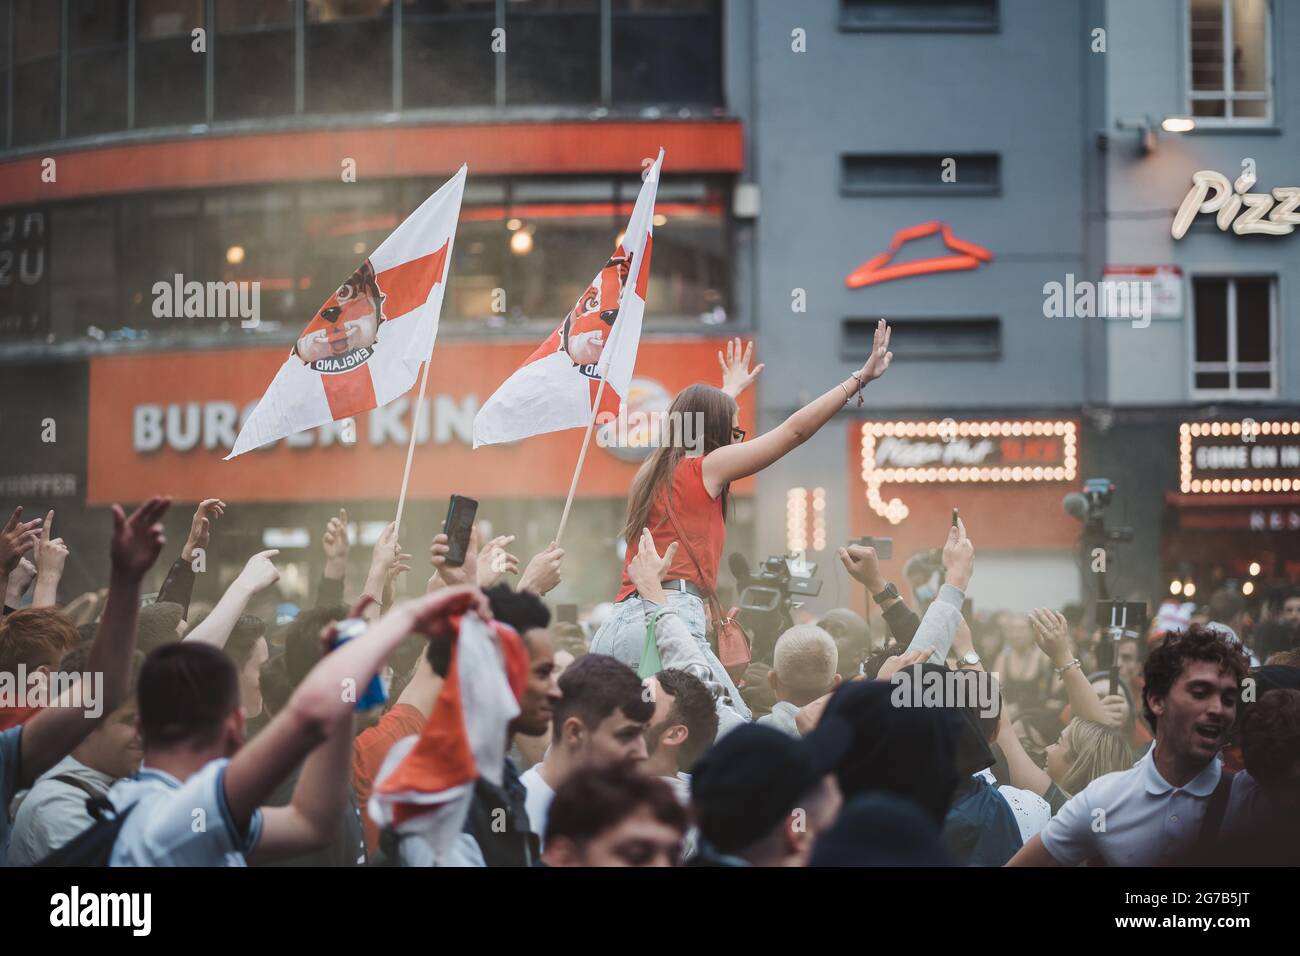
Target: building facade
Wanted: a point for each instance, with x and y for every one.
(998, 178)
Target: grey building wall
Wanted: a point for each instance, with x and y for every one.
(1019, 92)
(1146, 65)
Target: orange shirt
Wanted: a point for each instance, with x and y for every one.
(368, 753)
(699, 518)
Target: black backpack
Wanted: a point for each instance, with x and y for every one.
(94, 845)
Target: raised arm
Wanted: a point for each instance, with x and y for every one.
(258, 574)
(51, 554)
(52, 734)
(1025, 774)
(1052, 635)
(320, 712)
(16, 538)
(178, 588)
(943, 616)
(335, 544)
(864, 567)
(733, 462)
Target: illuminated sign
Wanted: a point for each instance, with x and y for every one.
(953, 452)
(1212, 193)
(881, 268)
(1241, 456)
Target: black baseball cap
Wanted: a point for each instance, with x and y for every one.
(754, 776)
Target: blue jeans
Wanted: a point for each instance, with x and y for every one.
(623, 636)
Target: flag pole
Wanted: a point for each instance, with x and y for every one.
(582, 456)
(410, 448)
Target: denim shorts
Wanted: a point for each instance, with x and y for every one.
(623, 636)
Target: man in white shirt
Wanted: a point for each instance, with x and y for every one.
(599, 721)
(1153, 813)
(197, 799)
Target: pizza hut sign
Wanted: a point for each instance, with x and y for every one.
(1264, 214)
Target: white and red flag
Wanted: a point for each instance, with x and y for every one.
(424, 787)
(557, 385)
(364, 346)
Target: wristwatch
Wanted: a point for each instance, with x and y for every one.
(969, 659)
(889, 593)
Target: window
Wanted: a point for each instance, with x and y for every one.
(1234, 337)
(1230, 61)
(553, 52)
(349, 50)
(96, 66)
(918, 15)
(447, 57)
(539, 241)
(914, 174)
(667, 51)
(24, 273)
(37, 26)
(4, 72)
(926, 339)
(253, 58)
(170, 77)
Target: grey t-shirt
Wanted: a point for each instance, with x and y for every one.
(53, 811)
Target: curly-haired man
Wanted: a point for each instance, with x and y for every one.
(1172, 801)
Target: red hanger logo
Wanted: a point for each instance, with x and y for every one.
(967, 255)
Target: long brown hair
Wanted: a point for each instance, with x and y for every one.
(655, 476)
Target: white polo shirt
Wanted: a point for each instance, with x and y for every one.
(180, 824)
(1132, 817)
(538, 801)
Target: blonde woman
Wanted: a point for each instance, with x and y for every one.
(1085, 751)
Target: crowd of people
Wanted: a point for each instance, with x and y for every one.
(466, 727)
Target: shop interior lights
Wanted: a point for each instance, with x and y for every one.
(796, 520)
(805, 511)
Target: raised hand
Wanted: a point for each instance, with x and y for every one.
(16, 539)
(259, 573)
(1115, 710)
(24, 573)
(898, 662)
(880, 356)
(863, 566)
(429, 615)
(209, 510)
(543, 572)
(138, 539)
(958, 556)
(646, 570)
(467, 573)
(335, 543)
(736, 374)
(51, 553)
(1052, 635)
(494, 560)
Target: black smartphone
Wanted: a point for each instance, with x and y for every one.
(954, 517)
(458, 527)
(884, 546)
(566, 613)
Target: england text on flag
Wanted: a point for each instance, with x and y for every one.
(364, 346)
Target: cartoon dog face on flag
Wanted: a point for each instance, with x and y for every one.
(582, 335)
(348, 321)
